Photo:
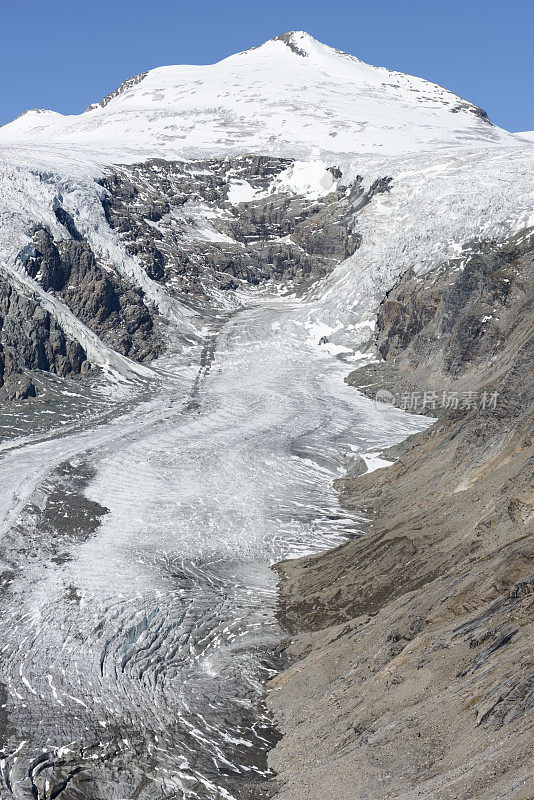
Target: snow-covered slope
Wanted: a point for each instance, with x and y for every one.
(292, 96)
(529, 135)
(437, 212)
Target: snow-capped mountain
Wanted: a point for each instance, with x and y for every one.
(292, 96)
(292, 163)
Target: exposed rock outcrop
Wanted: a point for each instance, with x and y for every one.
(31, 339)
(415, 676)
(217, 223)
(125, 85)
(101, 299)
(456, 328)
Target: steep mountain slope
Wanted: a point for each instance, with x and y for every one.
(414, 673)
(173, 233)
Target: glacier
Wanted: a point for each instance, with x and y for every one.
(137, 535)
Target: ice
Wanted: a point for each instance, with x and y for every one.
(436, 211)
(151, 623)
(374, 462)
(309, 178)
(240, 191)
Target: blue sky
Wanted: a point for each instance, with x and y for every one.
(64, 55)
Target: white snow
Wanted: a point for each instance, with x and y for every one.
(437, 204)
(240, 191)
(309, 178)
(268, 99)
(373, 461)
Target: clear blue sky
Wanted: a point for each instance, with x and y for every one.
(63, 55)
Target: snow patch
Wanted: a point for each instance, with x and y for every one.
(312, 179)
(373, 461)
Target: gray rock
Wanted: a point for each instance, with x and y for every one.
(104, 301)
(31, 339)
(17, 386)
(279, 237)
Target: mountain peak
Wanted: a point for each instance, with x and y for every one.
(296, 41)
(290, 96)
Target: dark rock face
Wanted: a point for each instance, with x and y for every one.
(476, 110)
(180, 220)
(104, 301)
(448, 329)
(416, 674)
(31, 339)
(289, 40)
(439, 330)
(459, 307)
(65, 219)
(17, 386)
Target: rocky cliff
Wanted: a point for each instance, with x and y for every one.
(413, 674)
(31, 339)
(101, 299)
(223, 223)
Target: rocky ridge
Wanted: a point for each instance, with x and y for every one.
(222, 223)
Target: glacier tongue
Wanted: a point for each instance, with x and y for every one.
(141, 612)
